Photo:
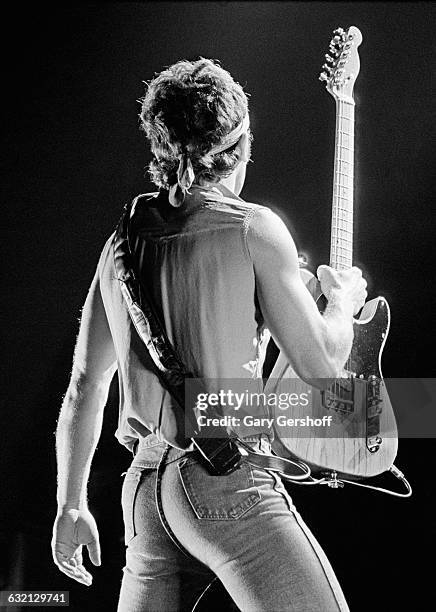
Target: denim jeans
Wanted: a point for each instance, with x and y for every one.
(185, 527)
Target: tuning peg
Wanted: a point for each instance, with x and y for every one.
(329, 58)
(339, 32)
(327, 68)
(323, 77)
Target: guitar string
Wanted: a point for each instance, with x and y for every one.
(342, 214)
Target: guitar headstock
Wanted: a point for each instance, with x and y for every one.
(342, 67)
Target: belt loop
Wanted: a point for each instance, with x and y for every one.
(265, 444)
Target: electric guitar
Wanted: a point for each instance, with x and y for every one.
(361, 438)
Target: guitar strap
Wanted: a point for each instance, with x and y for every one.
(221, 452)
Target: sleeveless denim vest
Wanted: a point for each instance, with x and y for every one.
(197, 267)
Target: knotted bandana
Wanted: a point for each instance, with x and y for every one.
(185, 171)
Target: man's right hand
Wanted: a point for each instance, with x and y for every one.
(343, 284)
(73, 529)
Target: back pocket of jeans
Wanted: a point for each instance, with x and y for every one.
(218, 497)
(128, 496)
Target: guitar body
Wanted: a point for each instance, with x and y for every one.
(352, 428)
(361, 440)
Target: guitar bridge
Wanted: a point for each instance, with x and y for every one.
(341, 398)
(374, 404)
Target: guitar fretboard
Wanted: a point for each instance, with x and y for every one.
(341, 250)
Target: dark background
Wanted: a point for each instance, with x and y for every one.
(73, 156)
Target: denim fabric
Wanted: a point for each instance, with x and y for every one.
(185, 527)
(231, 500)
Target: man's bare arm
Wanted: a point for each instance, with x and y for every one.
(81, 415)
(316, 345)
(77, 434)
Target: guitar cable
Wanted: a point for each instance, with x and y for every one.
(286, 469)
(334, 482)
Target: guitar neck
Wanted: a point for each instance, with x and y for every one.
(341, 249)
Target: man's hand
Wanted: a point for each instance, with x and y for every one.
(73, 529)
(317, 346)
(343, 284)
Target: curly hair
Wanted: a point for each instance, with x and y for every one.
(188, 108)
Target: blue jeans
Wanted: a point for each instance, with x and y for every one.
(184, 528)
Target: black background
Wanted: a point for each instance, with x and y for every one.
(73, 156)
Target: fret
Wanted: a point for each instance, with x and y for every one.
(342, 238)
(337, 239)
(343, 229)
(341, 243)
(348, 230)
(336, 230)
(340, 250)
(340, 225)
(343, 219)
(342, 198)
(341, 190)
(347, 102)
(343, 215)
(340, 264)
(338, 220)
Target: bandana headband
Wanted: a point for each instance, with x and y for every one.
(185, 171)
(231, 138)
